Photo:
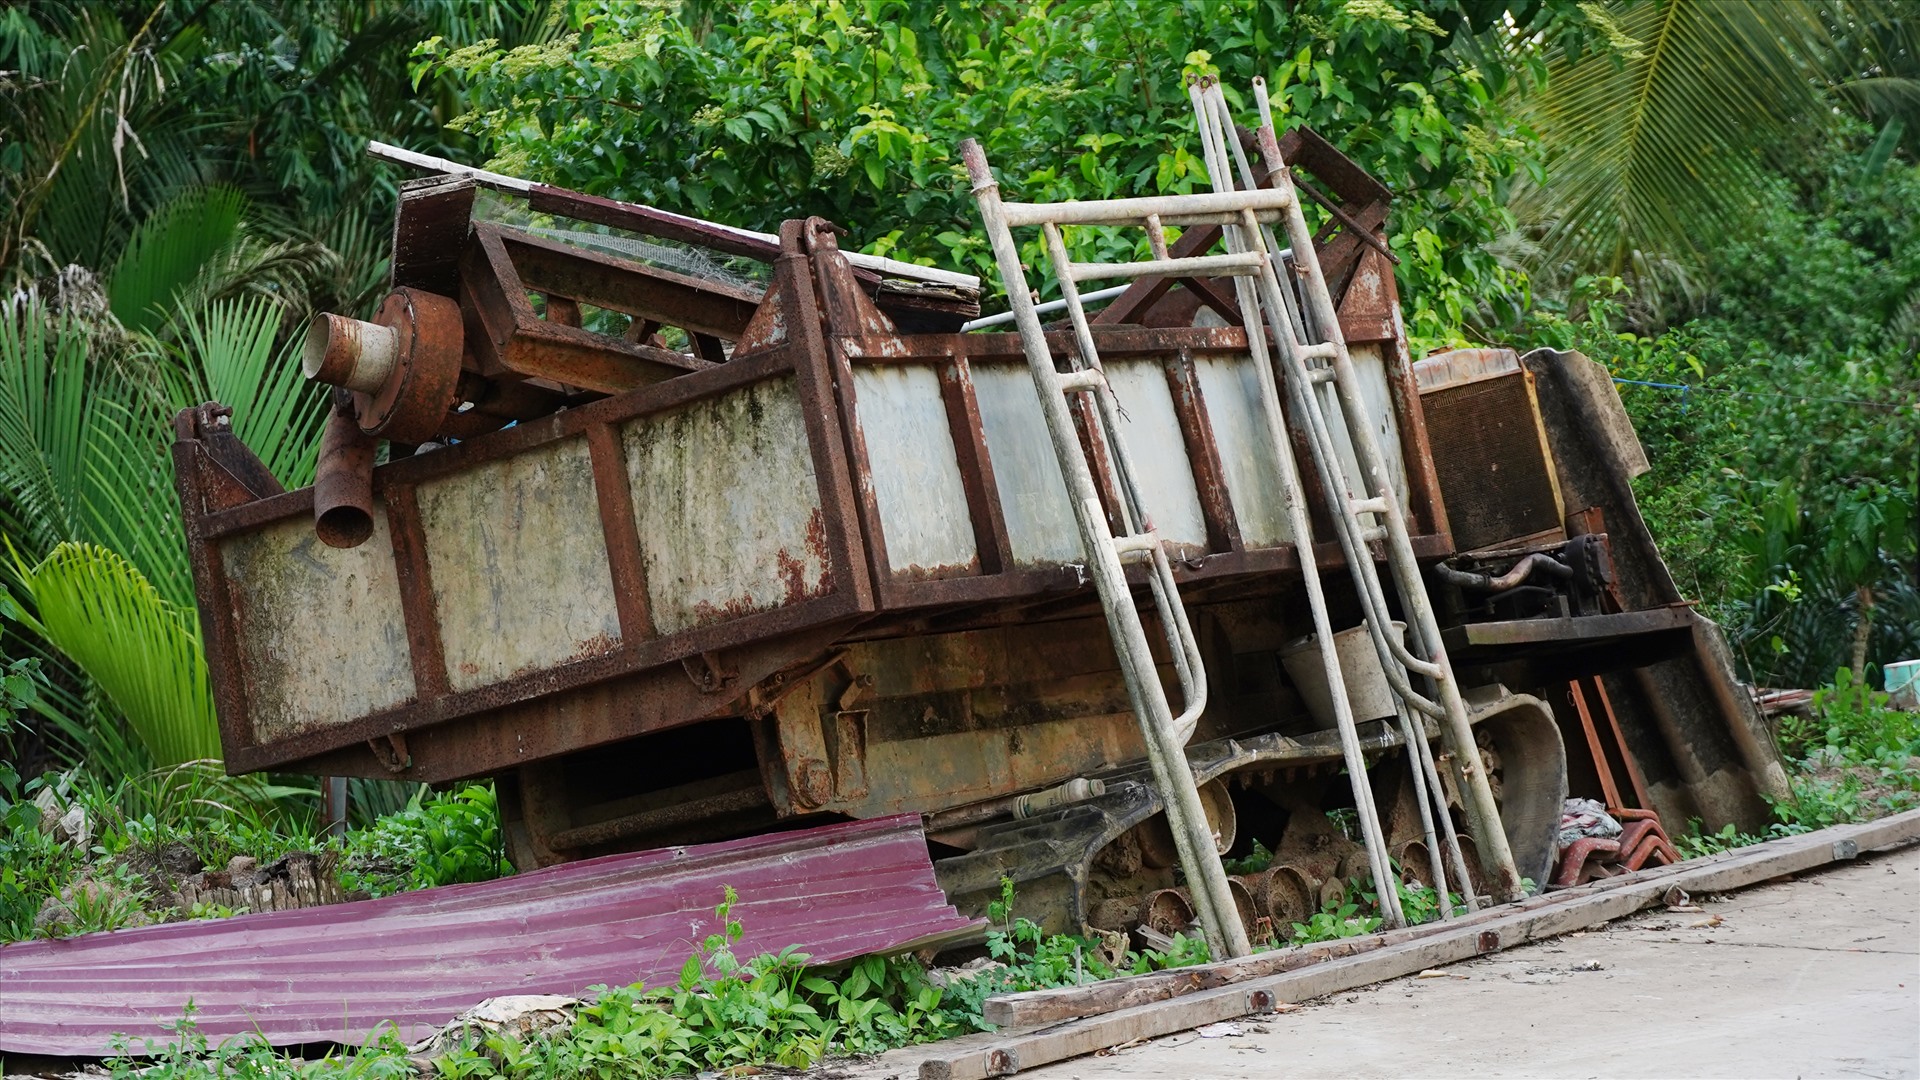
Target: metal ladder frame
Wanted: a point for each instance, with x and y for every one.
(1336, 377)
(1165, 734)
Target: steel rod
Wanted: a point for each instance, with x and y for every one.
(1173, 775)
(1302, 530)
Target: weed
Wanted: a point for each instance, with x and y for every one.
(439, 840)
(188, 1055)
(1251, 863)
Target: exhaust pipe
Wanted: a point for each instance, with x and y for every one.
(348, 352)
(343, 481)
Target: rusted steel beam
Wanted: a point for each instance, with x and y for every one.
(1209, 474)
(614, 490)
(648, 221)
(976, 465)
(506, 336)
(840, 518)
(715, 308)
(425, 645)
(212, 596)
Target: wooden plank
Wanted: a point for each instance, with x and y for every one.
(1005, 1052)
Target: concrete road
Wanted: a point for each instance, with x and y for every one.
(1815, 976)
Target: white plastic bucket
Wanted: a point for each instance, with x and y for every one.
(1367, 689)
(1903, 684)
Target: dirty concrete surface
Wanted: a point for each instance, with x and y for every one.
(1812, 976)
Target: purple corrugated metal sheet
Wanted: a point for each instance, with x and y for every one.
(419, 959)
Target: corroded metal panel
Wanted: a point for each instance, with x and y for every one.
(913, 469)
(1158, 451)
(519, 560)
(306, 615)
(1376, 402)
(727, 506)
(1231, 388)
(1033, 496)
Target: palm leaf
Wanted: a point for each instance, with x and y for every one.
(167, 252)
(82, 445)
(1652, 150)
(230, 358)
(143, 652)
(43, 406)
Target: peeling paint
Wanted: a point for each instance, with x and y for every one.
(519, 561)
(727, 506)
(306, 613)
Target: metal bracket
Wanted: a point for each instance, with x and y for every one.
(391, 751)
(766, 695)
(709, 672)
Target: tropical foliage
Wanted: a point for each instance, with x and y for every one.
(854, 111)
(1713, 199)
(185, 186)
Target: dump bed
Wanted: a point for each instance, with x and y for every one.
(647, 559)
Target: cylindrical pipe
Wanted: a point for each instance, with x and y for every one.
(347, 352)
(343, 481)
(1520, 572)
(1079, 789)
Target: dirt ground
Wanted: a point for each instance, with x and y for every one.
(1815, 976)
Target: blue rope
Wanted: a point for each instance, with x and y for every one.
(1686, 390)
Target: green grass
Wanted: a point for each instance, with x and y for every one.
(1855, 758)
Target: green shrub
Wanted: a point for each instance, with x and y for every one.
(444, 839)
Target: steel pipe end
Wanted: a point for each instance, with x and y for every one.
(343, 526)
(347, 352)
(343, 481)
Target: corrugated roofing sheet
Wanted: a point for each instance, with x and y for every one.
(419, 959)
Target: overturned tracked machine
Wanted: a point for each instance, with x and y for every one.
(685, 533)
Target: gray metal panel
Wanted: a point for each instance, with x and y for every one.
(305, 614)
(1377, 403)
(1033, 497)
(1231, 389)
(519, 559)
(727, 506)
(913, 468)
(1152, 433)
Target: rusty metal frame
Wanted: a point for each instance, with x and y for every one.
(507, 338)
(211, 519)
(817, 322)
(954, 358)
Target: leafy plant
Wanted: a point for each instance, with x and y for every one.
(855, 110)
(143, 652)
(1339, 918)
(439, 840)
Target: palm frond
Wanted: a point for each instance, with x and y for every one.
(229, 357)
(143, 652)
(169, 250)
(1653, 149)
(43, 403)
(83, 441)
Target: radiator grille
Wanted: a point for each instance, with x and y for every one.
(1489, 456)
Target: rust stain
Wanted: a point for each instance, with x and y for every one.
(793, 575)
(817, 547)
